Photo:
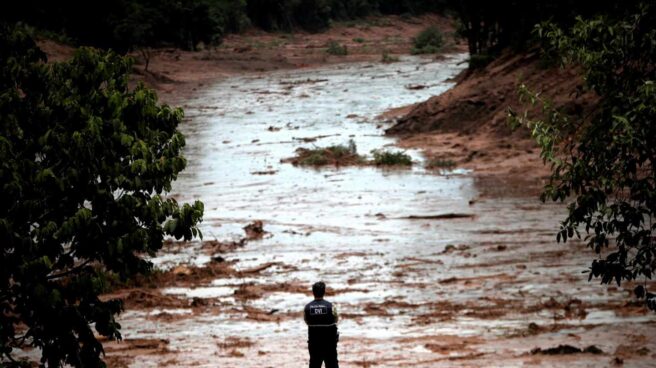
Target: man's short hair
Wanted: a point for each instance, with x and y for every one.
(319, 289)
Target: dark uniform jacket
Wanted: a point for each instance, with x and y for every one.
(321, 317)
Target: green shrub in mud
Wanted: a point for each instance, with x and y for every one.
(335, 48)
(338, 155)
(347, 155)
(428, 41)
(439, 163)
(386, 57)
(390, 158)
(86, 165)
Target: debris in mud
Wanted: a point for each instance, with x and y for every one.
(313, 139)
(152, 299)
(248, 292)
(265, 172)
(198, 302)
(414, 87)
(255, 230)
(260, 267)
(260, 315)
(567, 349)
(445, 216)
(215, 246)
(218, 259)
(305, 81)
(452, 248)
(181, 270)
(628, 350)
(233, 342)
(572, 308)
(534, 328)
(449, 280)
(294, 232)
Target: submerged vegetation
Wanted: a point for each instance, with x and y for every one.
(337, 155)
(391, 158)
(347, 155)
(440, 163)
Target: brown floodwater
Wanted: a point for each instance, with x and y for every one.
(413, 288)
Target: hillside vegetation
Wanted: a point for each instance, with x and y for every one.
(188, 24)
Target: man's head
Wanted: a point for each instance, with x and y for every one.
(319, 289)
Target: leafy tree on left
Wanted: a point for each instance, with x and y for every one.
(84, 161)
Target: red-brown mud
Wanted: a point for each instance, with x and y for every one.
(428, 269)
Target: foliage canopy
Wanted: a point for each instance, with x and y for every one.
(606, 163)
(123, 25)
(84, 162)
(428, 41)
(490, 26)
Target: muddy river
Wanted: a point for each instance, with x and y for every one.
(414, 289)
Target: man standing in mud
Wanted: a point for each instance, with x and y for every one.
(321, 318)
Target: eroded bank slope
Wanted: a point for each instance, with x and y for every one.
(467, 126)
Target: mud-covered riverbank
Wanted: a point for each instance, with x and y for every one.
(416, 286)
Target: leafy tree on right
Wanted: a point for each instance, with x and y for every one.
(604, 164)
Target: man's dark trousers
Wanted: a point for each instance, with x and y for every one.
(323, 348)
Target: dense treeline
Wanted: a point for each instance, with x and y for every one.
(315, 15)
(490, 26)
(86, 162)
(126, 24)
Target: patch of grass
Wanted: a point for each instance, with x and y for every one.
(428, 41)
(438, 163)
(391, 158)
(342, 154)
(388, 58)
(358, 40)
(335, 48)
